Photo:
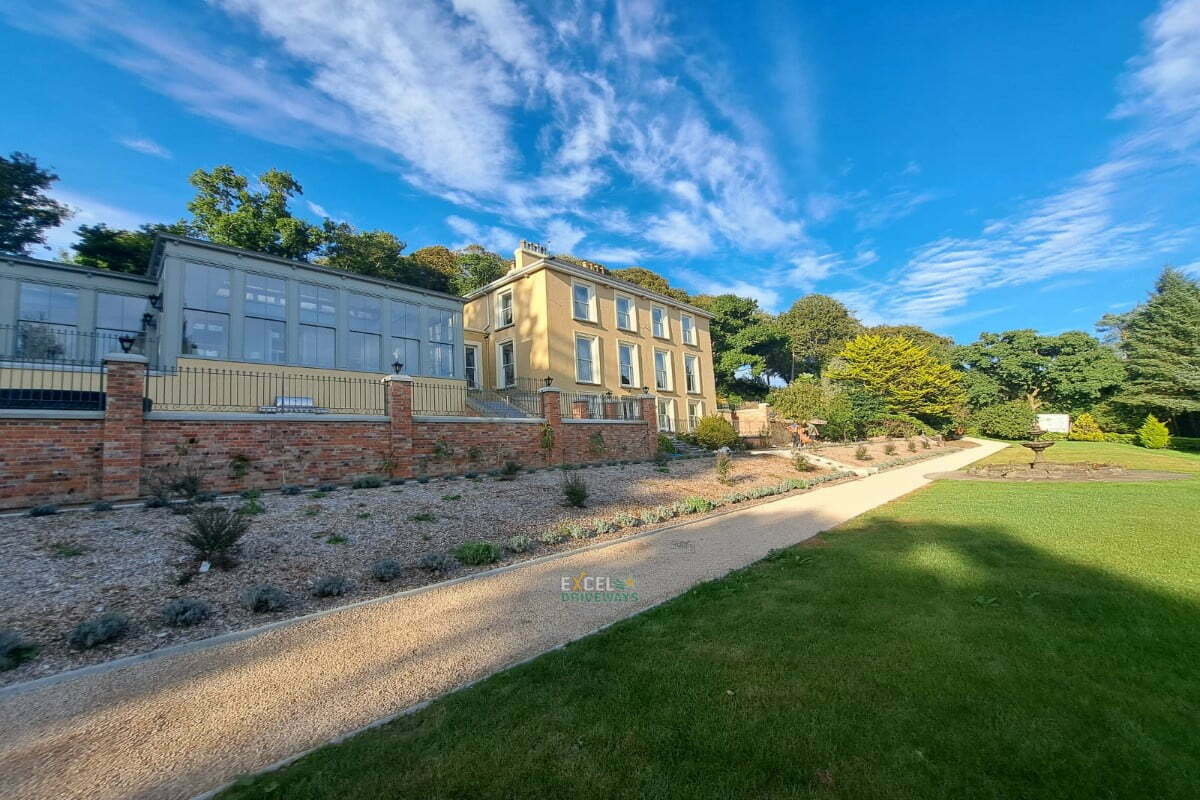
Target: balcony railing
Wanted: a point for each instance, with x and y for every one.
(226, 391)
(46, 343)
(598, 405)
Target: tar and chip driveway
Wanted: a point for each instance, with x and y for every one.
(184, 722)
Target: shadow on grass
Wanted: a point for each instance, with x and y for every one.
(900, 660)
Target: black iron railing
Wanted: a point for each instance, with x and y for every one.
(520, 399)
(598, 405)
(43, 342)
(267, 393)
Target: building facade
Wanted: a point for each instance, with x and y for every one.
(590, 333)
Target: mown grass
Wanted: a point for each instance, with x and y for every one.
(1126, 455)
(980, 640)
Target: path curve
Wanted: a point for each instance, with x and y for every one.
(182, 724)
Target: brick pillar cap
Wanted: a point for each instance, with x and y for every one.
(390, 378)
(644, 397)
(549, 389)
(129, 358)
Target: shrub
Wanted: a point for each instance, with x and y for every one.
(651, 516)
(552, 536)
(251, 508)
(15, 650)
(185, 612)
(897, 426)
(216, 533)
(925, 443)
(715, 432)
(1005, 421)
(477, 552)
(576, 530)
(290, 490)
(437, 562)
(336, 538)
(367, 482)
(575, 490)
(912, 446)
(518, 544)
(263, 598)
(251, 494)
(861, 453)
(386, 569)
(43, 511)
(697, 505)
(330, 586)
(1153, 434)
(1085, 429)
(889, 449)
(424, 516)
(451, 497)
(665, 444)
(1121, 438)
(98, 630)
(510, 470)
(626, 520)
(723, 464)
(603, 526)
(102, 505)
(1186, 444)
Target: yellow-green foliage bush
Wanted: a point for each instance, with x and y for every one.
(713, 432)
(1085, 429)
(1153, 434)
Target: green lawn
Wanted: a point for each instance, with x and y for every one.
(972, 640)
(1127, 455)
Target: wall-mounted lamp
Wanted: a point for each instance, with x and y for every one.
(608, 395)
(126, 343)
(645, 390)
(156, 301)
(149, 321)
(397, 366)
(548, 380)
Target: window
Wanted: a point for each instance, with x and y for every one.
(362, 351)
(666, 415)
(318, 320)
(365, 319)
(658, 317)
(695, 412)
(587, 368)
(506, 364)
(626, 313)
(117, 315)
(441, 343)
(662, 370)
(627, 364)
(364, 313)
(504, 309)
(408, 353)
(687, 326)
(406, 335)
(583, 304)
(471, 366)
(264, 334)
(48, 318)
(206, 294)
(691, 373)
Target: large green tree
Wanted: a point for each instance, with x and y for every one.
(907, 378)
(817, 327)
(1162, 343)
(650, 280)
(26, 210)
(476, 267)
(227, 210)
(745, 341)
(940, 347)
(102, 247)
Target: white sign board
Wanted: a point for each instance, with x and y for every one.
(1054, 423)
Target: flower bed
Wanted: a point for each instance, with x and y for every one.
(881, 459)
(63, 569)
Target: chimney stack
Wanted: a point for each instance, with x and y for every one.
(527, 253)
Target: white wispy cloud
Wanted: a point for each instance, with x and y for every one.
(680, 231)
(87, 210)
(616, 257)
(316, 208)
(147, 147)
(494, 238)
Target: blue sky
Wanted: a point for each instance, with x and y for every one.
(962, 165)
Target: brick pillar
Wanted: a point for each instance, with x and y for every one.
(553, 415)
(399, 408)
(121, 459)
(650, 417)
(610, 408)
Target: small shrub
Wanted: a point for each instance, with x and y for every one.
(626, 520)
(263, 598)
(67, 549)
(552, 536)
(99, 630)
(312, 509)
(1085, 429)
(367, 482)
(43, 511)
(1011, 420)
(386, 569)
(336, 538)
(667, 512)
(102, 505)
(603, 526)
(424, 516)
(889, 449)
(596, 444)
(861, 453)
(575, 490)
(518, 544)
(216, 534)
(801, 463)
(1153, 434)
(697, 505)
(317, 495)
(15, 650)
(290, 490)
(185, 612)
(363, 515)
(911, 445)
(451, 497)
(723, 464)
(665, 444)
(925, 443)
(251, 508)
(715, 432)
(438, 562)
(478, 552)
(650, 516)
(510, 470)
(250, 494)
(576, 530)
(330, 586)
(1121, 438)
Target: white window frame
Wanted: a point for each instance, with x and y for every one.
(694, 375)
(666, 323)
(471, 374)
(594, 348)
(635, 364)
(512, 314)
(591, 301)
(633, 316)
(694, 419)
(687, 329)
(669, 372)
(668, 404)
(500, 383)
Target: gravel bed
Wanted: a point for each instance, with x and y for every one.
(845, 454)
(59, 570)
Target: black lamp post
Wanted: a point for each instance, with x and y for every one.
(608, 395)
(397, 366)
(148, 321)
(548, 380)
(126, 343)
(645, 390)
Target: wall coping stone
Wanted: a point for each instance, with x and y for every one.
(217, 416)
(401, 378)
(573, 421)
(518, 420)
(48, 413)
(131, 358)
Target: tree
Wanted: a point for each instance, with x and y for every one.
(26, 211)
(803, 399)
(1153, 434)
(477, 267)
(817, 327)
(908, 379)
(1085, 429)
(1162, 346)
(650, 280)
(226, 211)
(744, 337)
(437, 258)
(102, 247)
(940, 347)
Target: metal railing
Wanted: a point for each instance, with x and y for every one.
(42, 342)
(54, 386)
(598, 405)
(520, 399)
(267, 393)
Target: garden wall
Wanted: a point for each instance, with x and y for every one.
(49, 461)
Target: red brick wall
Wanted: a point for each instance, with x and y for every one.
(621, 441)
(447, 448)
(49, 461)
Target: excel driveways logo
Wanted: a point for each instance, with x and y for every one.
(584, 588)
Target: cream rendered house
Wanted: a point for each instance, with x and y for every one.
(591, 333)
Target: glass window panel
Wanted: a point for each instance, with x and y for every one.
(660, 322)
(689, 329)
(441, 326)
(317, 346)
(584, 368)
(508, 364)
(625, 359)
(205, 334)
(264, 340)
(506, 309)
(362, 351)
(408, 353)
(662, 371)
(120, 312)
(471, 366)
(624, 313)
(206, 287)
(406, 320)
(46, 341)
(265, 297)
(583, 301)
(441, 360)
(42, 303)
(318, 305)
(690, 368)
(364, 313)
